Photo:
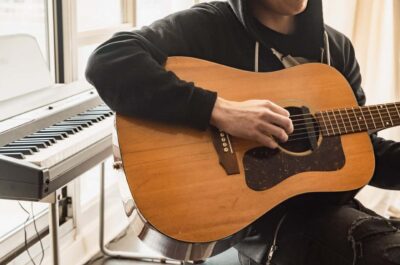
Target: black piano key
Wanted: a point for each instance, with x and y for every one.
(15, 155)
(19, 150)
(23, 144)
(30, 147)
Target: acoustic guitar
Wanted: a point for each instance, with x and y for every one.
(197, 188)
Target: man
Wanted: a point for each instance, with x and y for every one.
(254, 35)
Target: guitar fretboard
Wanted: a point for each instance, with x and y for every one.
(358, 119)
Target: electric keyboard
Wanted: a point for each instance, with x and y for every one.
(61, 141)
(49, 133)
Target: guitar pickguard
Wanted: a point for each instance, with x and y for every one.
(264, 168)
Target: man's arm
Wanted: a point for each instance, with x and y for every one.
(128, 71)
(129, 75)
(387, 153)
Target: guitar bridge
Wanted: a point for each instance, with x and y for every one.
(226, 154)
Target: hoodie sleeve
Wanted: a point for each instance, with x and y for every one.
(128, 72)
(387, 153)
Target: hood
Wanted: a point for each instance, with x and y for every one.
(310, 24)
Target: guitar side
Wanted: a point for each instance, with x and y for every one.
(173, 172)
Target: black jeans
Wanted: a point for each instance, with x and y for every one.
(334, 235)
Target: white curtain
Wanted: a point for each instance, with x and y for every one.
(373, 26)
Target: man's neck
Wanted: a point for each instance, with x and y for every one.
(277, 22)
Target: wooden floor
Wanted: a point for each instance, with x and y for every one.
(129, 242)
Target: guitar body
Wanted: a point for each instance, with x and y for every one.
(179, 186)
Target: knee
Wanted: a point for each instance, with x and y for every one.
(374, 241)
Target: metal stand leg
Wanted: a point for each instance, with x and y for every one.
(121, 254)
(53, 208)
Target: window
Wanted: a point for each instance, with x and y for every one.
(108, 13)
(151, 10)
(111, 17)
(28, 17)
(25, 16)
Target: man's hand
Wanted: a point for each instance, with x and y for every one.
(258, 120)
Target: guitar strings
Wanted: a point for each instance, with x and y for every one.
(377, 111)
(347, 124)
(373, 113)
(350, 120)
(293, 137)
(394, 105)
(339, 111)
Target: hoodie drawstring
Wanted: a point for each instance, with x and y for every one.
(326, 49)
(256, 55)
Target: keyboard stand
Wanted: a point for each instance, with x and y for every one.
(121, 254)
(53, 226)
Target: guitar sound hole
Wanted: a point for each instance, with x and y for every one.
(306, 131)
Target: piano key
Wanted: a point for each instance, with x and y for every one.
(81, 123)
(15, 155)
(94, 115)
(23, 144)
(30, 147)
(76, 128)
(60, 135)
(48, 140)
(60, 130)
(97, 112)
(92, 119)
(49, 135)
(94, 110)
(19, 150)
(101, 107)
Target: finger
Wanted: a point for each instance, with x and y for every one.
(281, 121)
(273, 130)
(266, 140)
(278, 109)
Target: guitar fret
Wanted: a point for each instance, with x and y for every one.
(344, 123)
(362, 113)
(395, 105)
(372, 117)
(337, 123)
(351, 125)
(323, 119)
(379, 112)
(355, 116)
(330, 121)
(361, 119)
(397, 121)
(390, 116)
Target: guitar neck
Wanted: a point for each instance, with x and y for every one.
(358, 119)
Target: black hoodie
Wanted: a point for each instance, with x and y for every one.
(128, 73)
